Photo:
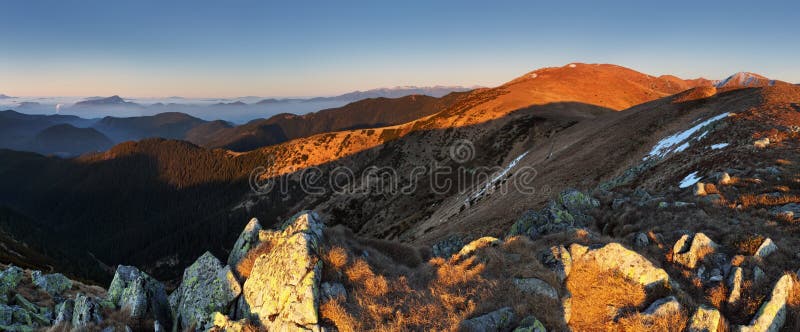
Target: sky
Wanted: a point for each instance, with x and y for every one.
(305, 48)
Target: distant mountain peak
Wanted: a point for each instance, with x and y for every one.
(2, 96)
(104, 101)
(744, 79)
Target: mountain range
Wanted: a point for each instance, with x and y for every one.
(585, 195)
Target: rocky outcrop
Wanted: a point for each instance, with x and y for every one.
(86, 311)
(688, 253)
(207, 286)
(570, 209)
(139, 294)
(64, 311)
(247, 240)
(498, 320)
(447, 247)
(9, 279)
(665, 307)
(53, 284)
(486, 241)
(530, 324)
(772, 314)
(766, 248)
(282, 292)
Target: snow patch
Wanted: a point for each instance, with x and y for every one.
(689, 180)
(499, 176)
(572, 65)
(682, 139)
(534, 75)
(719, 146)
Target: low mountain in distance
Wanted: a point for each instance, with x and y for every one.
(367, 113)
(165, 125)
(17, 130)
(2, 96)
(68, 140)
(108, 101)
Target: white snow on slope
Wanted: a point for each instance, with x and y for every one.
(689, 180)
(499, 176)
(719, 146)
(667, 145)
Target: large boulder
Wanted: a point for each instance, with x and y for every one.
(53, 284)
(615, 257)
(207, 286)
(447, 247)
(86, 311)
(772, 314)
(9, 279)
(247, 240)
(498, 320)
(766, 248)
(282, 292)
(535, 286)
(688, 253)
(64, 311)
(139, 294)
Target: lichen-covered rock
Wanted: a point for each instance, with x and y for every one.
(665, 307)
(64, 311)
(498, 320)
(735, 284)
(282, 292)
(559, 260)
(36, 313)
(6, 313)
(53, 284)
(536, 286)
(9, 279)
(614, 256)
(640, 240)
(772, 314)
(766, 248)
(247, 240)
(447, 247)
(484, 242)
(86, 311)
(570, 209)
(140, 294)
(207, 286)
(530, 324)
(688, 254)
(705, 319)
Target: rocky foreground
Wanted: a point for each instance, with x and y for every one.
(303, 277)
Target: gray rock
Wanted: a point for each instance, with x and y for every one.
(86, 311)
(618, 203)
(64, 311)
(705, 319)
(447, 247)
(772, 314)
(247, 240)
(615, 257)
(557, 259)
(530, 324)
(498, 320)
(333, 290)
(641, 241)
(282, 292)
(6, 314)
(53, 284)
(758, 274)
(9, 279)
(767, 247)
(140, 294)
(664, 307)
(791, 210)
(569, 210)
(207, 286)
(536, 286)
(157, 327)
(689, 253)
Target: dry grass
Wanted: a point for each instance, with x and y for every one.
(747, 244)
(640, 322)
(752, 296)
(245, 266)
(755, 201)
(595, 303)
(717, 295)
(793, 322)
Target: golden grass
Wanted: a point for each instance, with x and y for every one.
(640, 322)
(751, 200)
(596, 304)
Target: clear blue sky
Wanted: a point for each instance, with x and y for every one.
(238, 48)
